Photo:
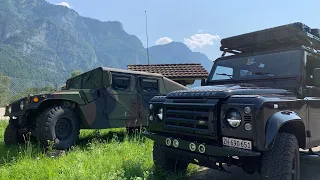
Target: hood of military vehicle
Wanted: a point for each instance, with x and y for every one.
(227, 90)
(62, 92)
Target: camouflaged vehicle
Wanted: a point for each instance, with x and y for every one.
(98, 99)
(258, 106)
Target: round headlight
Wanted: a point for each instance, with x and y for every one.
(151, 106)
(151, 118)
(233, 117)
(9, 109)
(21, 105)
(160, 114)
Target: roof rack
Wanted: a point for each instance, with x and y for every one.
(285, 36)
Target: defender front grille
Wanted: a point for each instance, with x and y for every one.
(196, 117)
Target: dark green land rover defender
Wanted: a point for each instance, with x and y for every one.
(257, 108)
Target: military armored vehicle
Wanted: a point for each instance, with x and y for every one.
(98, 99)
(258, 107)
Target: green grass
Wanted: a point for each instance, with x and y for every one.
(105, 154)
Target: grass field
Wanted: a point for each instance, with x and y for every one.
(107, 154)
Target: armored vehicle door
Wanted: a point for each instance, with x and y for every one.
(148, 88)
(122, 100)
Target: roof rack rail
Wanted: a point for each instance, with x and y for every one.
(285, 36)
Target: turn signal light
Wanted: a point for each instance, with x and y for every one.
(35, 99)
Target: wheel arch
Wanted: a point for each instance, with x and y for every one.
(288, 122)
(59, 102)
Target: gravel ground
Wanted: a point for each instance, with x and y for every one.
(309, 171)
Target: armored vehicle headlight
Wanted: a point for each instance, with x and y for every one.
(21, 105)
(9, 109)
(160, 113)
(151, 106)
(151, 118)
(233, 118)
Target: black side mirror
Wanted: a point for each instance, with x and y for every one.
(203, 82)
(316, 77)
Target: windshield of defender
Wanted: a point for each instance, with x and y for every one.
(271, 65)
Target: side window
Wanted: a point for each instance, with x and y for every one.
(312, 63)
(121, 82)
(149, 85)
(92, 81)
(75, 83)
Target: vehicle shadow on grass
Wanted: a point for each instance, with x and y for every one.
(108, 136)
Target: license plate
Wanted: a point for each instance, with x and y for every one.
(237, 143)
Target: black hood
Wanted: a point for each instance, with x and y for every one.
(224, 91)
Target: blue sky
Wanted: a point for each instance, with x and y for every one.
(200, 24)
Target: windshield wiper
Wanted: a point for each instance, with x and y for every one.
(263, 73)
(224, 74)
(269, 75)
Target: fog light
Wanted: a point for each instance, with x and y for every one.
(151, 118)
(247, 110)
(192, 147)
(202, 148)
(168, 141)
(175, 143)
(151, 106)
(248, 127)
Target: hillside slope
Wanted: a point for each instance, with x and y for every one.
(44, 43)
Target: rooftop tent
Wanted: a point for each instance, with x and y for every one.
(290, 35)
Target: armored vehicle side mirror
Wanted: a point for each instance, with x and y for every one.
(316, 77)
(203, 82)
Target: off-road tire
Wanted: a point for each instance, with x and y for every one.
(48, 127)
(12, 136)
(162, 160)
(279, 162)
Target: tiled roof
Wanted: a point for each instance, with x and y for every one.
(191, 70)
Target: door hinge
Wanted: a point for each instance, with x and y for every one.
(308, 133)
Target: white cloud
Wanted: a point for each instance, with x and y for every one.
(201, 40)
(163, 40)
(64, 4)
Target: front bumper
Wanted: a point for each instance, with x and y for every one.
(210, 150)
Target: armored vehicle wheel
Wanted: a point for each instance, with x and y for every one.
(59, 125)
(162, 160)
(12, 136)
(283, 160)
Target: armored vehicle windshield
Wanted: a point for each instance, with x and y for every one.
(257, 66)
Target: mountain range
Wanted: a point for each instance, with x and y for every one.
(45, 42)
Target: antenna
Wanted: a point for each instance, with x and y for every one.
(147, 36)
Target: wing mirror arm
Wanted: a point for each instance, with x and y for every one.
(203, 82)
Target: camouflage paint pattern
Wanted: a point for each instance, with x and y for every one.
(100, 105)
